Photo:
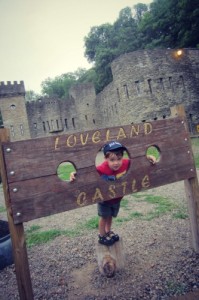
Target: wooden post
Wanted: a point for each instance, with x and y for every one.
(17, 235)
(192, 191)
(110, 259)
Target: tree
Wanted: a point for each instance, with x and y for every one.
(31, 95)
(60, 85)
(171, 23)
(140, 10)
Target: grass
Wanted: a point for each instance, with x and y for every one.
(160, 206)
(195, 147)
(124, 204)
(152, 150)
(35, 237)
(2, 209)
(64, 170)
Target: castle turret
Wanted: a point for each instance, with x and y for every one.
(13, 110)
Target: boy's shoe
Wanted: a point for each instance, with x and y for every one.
(106, 240)
(113, 236)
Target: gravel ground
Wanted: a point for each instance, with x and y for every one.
(160, 261)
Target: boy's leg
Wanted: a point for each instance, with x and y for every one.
(104, 213)
(102, 225)
(108, 224)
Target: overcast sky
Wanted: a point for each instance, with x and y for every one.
(45, 38)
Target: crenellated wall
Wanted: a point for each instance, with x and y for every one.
(145, 85)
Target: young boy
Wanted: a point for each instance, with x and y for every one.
(113, 167)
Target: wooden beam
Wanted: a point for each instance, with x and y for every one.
(17, 235)
(191, 189)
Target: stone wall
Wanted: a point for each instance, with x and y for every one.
(145, 85)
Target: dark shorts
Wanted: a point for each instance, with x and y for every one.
(108, 210)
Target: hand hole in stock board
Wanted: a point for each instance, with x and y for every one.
(153, 151)
(65, 169)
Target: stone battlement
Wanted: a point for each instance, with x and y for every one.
(11, 89)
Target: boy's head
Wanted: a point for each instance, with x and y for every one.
(113, 147)
(113, 153)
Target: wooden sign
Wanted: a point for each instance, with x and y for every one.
(36, 191)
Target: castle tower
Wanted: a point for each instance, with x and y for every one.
(13, 110)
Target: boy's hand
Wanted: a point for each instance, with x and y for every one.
(73, 176)
(152, 159)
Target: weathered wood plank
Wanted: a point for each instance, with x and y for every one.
(41, 157)
(48, 195)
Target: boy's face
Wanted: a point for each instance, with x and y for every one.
(114, 161)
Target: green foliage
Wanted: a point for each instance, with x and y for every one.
(33, 228)
(36, 238)
(164, 24)
(124, 203)
(195, 147)
(2, 209)
(162, 206)
(90, 224)
(180, 215)
(64, 170)
(31, 96)
(58, 86)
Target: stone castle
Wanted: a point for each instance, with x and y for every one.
(145, 85)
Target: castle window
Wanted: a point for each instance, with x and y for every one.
(170, 83)
(118, 95)
(93, 121)
(12, 106)
(164, 117)
(116, 108)
(35, 126)
(57, 122)
(86, 117)
(66, 123)
(182, 81)
(137, 85)
(149, 84)
(21, 129)
(52, 124)
(48, 125)
(73, 122)
(44, 127)
(126, 90)
(12, 130)
(161, 83)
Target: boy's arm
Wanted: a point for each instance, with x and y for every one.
(152, 159)
(73, 176)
